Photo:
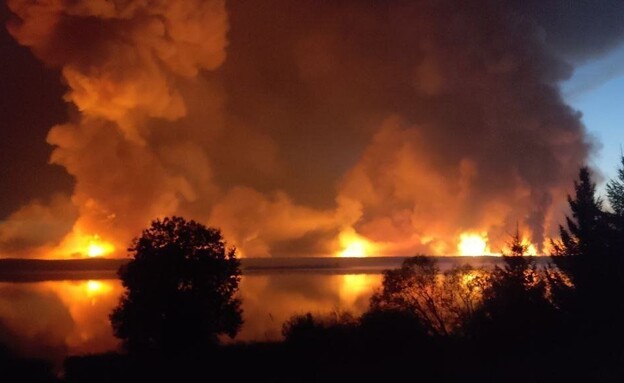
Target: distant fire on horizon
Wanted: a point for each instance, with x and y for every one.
(349, 129)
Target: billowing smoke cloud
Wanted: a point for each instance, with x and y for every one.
(297, 127)
(125, 64)
(34, 229)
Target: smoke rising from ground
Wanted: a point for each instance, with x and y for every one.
(286, 124)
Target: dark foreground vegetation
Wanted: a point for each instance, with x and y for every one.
(515, 323)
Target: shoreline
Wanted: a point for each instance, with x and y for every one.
(36, 270)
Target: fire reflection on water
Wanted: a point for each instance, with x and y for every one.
(88, 303)
(269, 300)
(56, 318)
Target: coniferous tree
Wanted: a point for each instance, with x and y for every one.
(615, 191)
(583, 243)
(515, 307)
(615, 195)
(587, 285)
(613, 266)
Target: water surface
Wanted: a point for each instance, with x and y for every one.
(53, 319)
(69, 314)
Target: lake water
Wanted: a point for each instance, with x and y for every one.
(69, 315)
(52, 319)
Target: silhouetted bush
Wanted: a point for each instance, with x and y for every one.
(180, 288)
(440, 302)
(392, 326)
(328, 327)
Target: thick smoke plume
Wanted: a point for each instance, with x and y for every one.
(302, 127)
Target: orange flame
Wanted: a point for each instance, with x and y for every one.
(473, 244)
(354, 245)
(91, 246)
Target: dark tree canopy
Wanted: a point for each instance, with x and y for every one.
(180, 289)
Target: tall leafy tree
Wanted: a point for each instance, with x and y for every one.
(180, 290)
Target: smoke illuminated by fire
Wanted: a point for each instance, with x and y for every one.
(346, 128)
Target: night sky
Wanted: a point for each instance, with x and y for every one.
(31, 102)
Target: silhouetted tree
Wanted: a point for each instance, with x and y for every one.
(515, 307)
(588, 253)
(589, 285)
(615, 191)
(585, 240)
(180, 288)
(441, 302)
(615, 195)
(519, 274)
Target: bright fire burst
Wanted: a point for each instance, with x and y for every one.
(82, 245)
(96, 247)
(531, 250)
(472, 244)
(354, 245)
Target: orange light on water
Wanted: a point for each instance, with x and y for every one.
(88, 304)
(355, 286)
(96, 288)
